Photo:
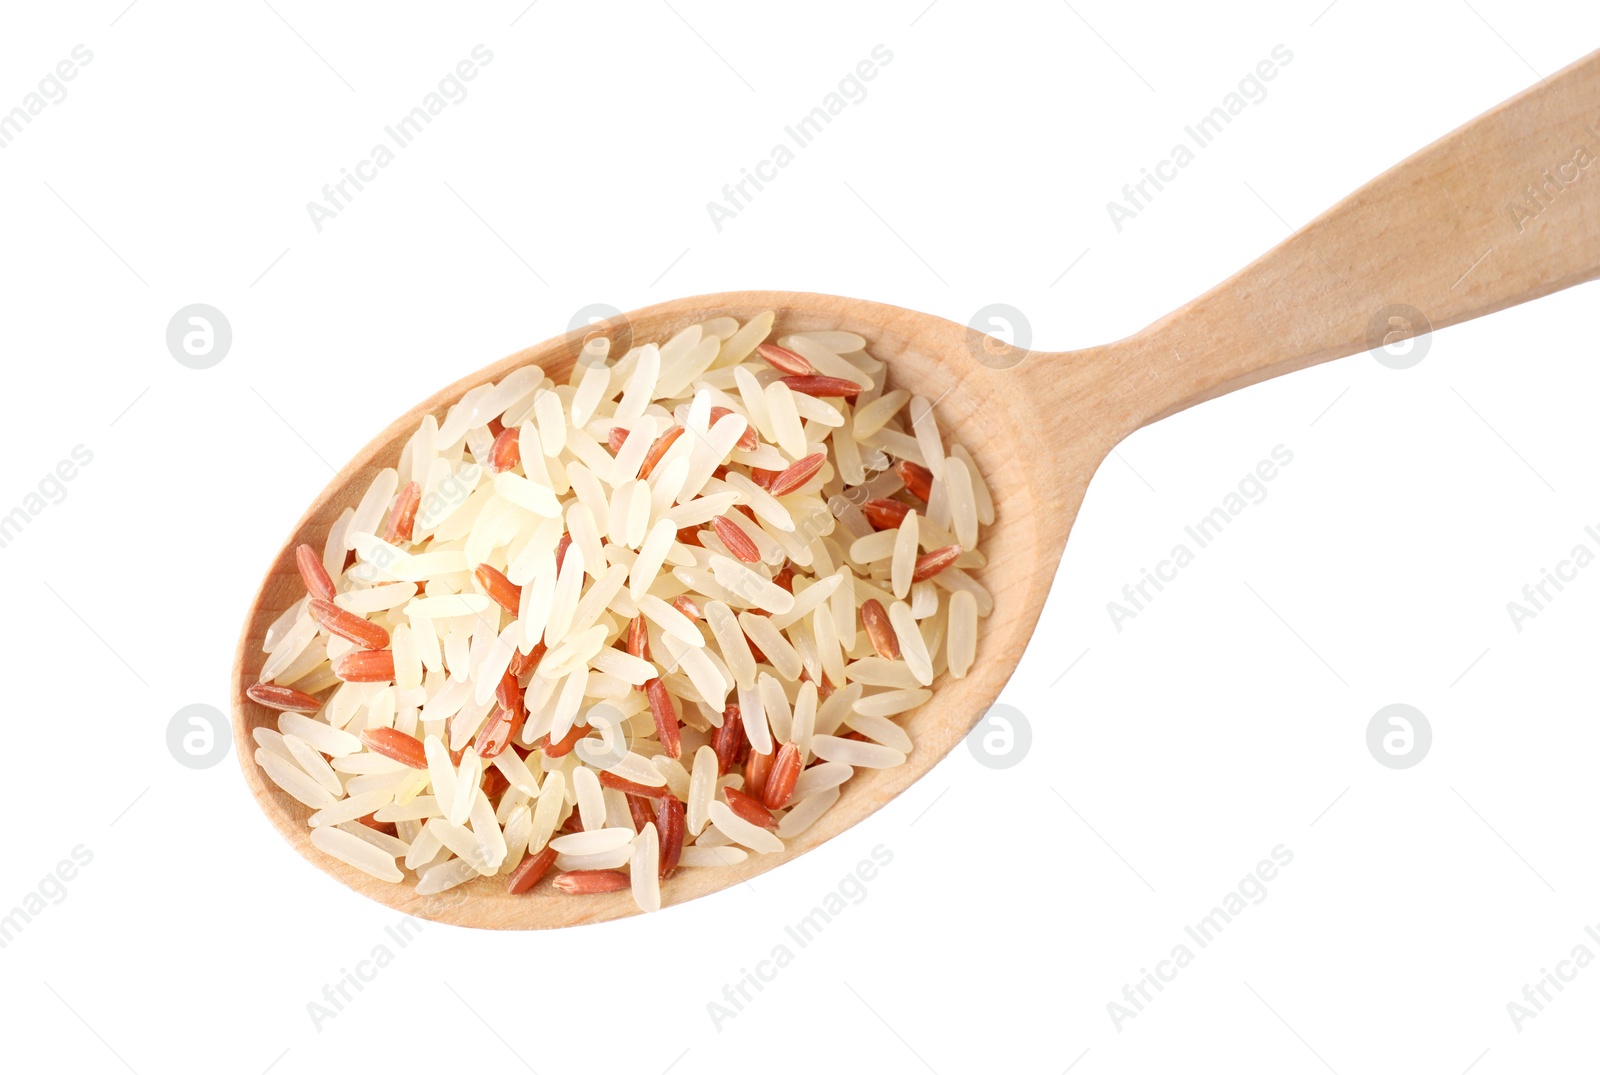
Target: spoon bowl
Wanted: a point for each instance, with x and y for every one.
(999, 423)
(1432, 242)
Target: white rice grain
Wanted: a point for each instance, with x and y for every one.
(771, 642)
(465, 843)
(592, 841)
(272, 741)
(953, 579)
(821, 777)
(871, 417)
(804, 725)
(516, 771)
(880, 545)
(913, 649)
(377, 599)
(519, 827)
(840, 343)
(741, 831)
(547, 814)
(466, 789)
(926, 430)
(880, 730)
(643, 870)
(856, 753)
(444, 876)
(754, 717)
(592, 387)
(698, 855)
(785, 417)
(962, 632)
(805, 813)
(356, 806)
(487, 830)
(889, 703)
(329, 740)
(670, 620)
(389, 845)
(564, 601)
(356, 852)
(702, 786)
(293, 780)
(373, 505)
(905, 555)
(963, 501)
(591, 808)
(420, 808)
(312, 763)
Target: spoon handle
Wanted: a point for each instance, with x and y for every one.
(1503, 210)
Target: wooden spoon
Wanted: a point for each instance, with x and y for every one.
(1504, 210)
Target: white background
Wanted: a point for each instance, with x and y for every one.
(1226, 719)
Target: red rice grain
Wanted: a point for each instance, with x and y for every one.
(496, 733)
(652, 458)
(564, 745)
(818, 385)
(748, 441)
(530, 870)
(501, 590)
(666, 717)
(670, 825)
(749, 808)
(365, 666)
(608, 779)
(781, 781)
(283, 699)
(588, 882)
(358, 629)
(918, 479)
(756, 768)
(879, 630)
(638, 638)
(728, 741)
(403, 517)
(523, 663)
(733, 536)
(782, 358)
(931, 563)
(639, 810)
(797, 474)
(885, 514)
(396, 746)
(509, 695)
(506, 452)
(313, 574)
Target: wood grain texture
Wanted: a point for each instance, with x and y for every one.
(1040, 428)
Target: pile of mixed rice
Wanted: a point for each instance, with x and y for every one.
(651, 618)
